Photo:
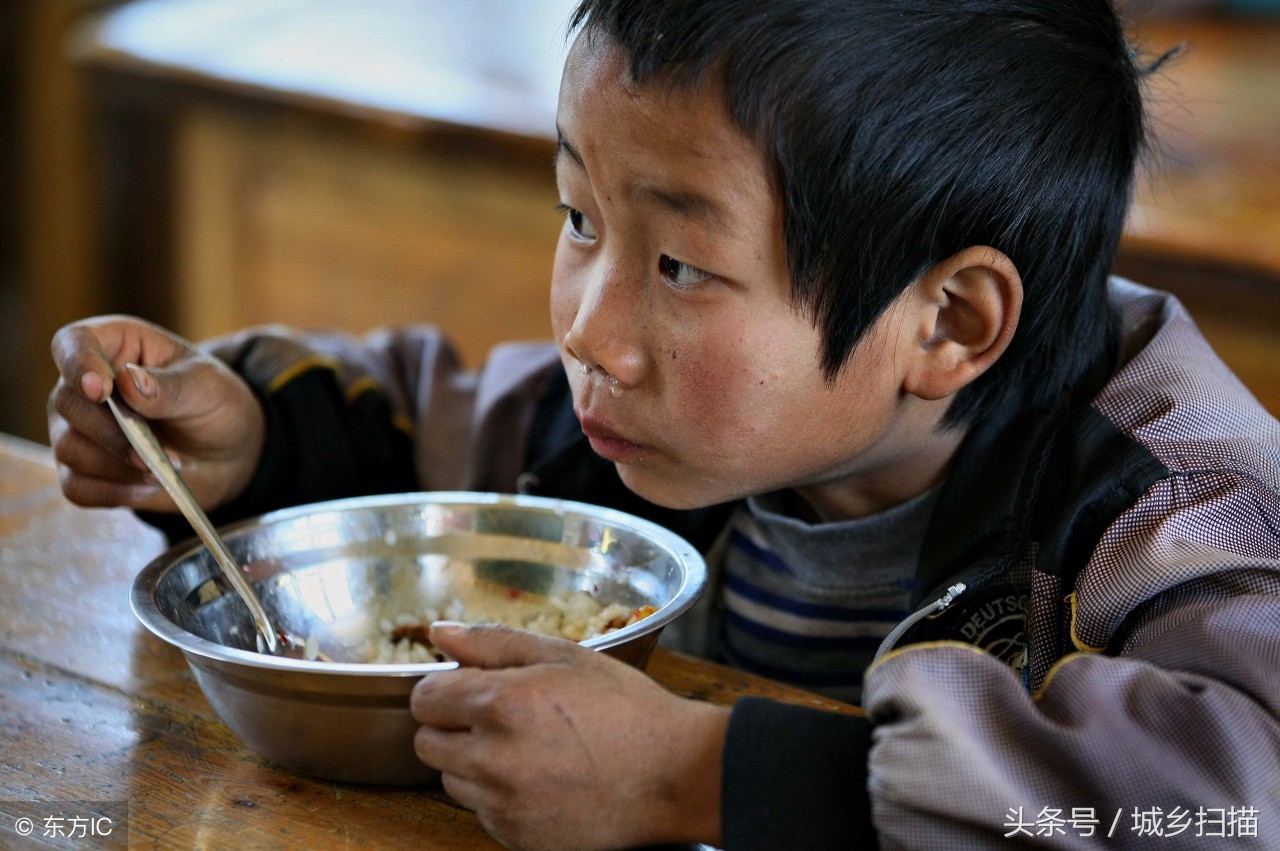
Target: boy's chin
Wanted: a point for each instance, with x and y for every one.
(672, 493)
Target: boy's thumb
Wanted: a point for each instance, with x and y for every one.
(153, 393)
(497, 646)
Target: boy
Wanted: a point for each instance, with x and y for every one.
(831, 300)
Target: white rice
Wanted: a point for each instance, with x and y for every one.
(576, 616)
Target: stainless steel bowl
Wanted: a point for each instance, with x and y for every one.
(329, 569)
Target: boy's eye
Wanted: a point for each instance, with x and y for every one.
(681, 274)
(580, 225)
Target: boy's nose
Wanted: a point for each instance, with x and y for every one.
(605, 336)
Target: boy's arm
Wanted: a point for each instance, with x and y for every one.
(1181, 735)
(1174, 726)
(391, 411)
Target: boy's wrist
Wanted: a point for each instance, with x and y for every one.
(691, 810)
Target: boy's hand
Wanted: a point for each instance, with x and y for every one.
(557, 746)
(205, 415)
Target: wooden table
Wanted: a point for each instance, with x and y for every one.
(95, 709)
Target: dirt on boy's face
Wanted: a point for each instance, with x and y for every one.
(671, 305)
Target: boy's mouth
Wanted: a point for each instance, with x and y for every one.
(606, 442)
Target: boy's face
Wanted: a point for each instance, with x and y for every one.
(671, 284)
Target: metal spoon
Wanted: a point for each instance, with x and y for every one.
(143, 439)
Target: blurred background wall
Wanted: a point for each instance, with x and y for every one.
(9, 309)
(211, 164)
(46, 238)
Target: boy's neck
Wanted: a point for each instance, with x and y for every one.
(870, 493)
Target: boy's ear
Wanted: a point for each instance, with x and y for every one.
(963, 312)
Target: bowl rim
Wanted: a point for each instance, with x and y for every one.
(142, 591)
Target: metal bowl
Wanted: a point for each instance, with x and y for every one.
(330, 569)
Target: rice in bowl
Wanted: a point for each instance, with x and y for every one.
(402, 636)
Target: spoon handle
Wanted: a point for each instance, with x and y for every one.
(143, 439)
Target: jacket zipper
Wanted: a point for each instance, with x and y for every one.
(938, 605)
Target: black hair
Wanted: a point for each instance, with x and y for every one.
(903, 131)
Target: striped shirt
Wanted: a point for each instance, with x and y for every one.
(808, 604)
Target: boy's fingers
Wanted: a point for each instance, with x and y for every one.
(156, 393)
(141, 390)
(469, 793)
(188, 388)
(91, 492)
(94, 386)
(456, 699)
(497, 646)
(84, 457)
(86, 351)
(78, 417)
(82, 363)
(441, 748)
(450, 700)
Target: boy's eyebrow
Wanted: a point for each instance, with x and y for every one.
(690, 205)
(562, 144)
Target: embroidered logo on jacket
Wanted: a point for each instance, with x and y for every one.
(998, 625)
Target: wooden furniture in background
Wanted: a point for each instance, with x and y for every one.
(285, 222)
(51, 272)
(95, 709)
(341, 164)
(1206, 222)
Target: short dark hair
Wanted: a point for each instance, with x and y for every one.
(902, 131)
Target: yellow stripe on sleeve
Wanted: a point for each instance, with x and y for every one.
(361, 386)
(404, 423)
(301, 367)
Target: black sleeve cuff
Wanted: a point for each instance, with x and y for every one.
(795, 777)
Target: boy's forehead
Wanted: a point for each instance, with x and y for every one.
(595, 62)
(692, 120)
